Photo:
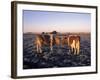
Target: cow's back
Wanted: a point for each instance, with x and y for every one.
(72, 38)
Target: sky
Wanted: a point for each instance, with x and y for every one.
(48, 21)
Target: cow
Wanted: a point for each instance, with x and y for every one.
(46, 39)
(73, 41)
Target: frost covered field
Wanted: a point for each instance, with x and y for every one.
(60, 57)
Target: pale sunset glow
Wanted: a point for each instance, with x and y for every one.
(47, 21)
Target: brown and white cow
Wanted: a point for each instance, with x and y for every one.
(73, 42)
(48, 40)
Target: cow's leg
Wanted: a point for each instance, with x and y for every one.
(70, 49)
(40, 47)
(37, 47)
(40, 50)
(74, 47)
(78, 48)
(75, 51)
(51, 42)
(51, 46)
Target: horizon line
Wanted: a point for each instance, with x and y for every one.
(58, 32)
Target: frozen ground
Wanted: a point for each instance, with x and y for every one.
(60, 57)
